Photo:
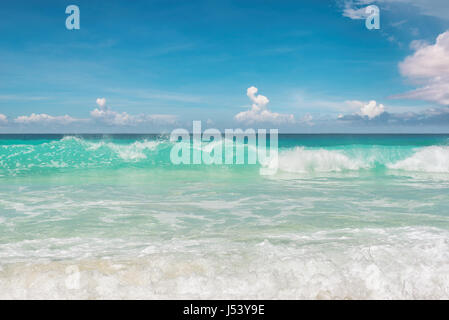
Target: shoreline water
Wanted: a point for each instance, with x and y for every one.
(355, 217)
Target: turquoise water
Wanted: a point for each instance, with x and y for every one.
(344, 217)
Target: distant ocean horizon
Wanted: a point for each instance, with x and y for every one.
(346, 216)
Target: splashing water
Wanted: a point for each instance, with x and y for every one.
(345, 217)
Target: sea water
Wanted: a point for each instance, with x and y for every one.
(109, 216)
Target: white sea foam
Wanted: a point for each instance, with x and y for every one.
(128, 152)
(161, 234)
(75, 152)
(428, 159)
(135, 151)
(303, 160)
(433, 159)
(400, 263)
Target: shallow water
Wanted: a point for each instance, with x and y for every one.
(345, 217)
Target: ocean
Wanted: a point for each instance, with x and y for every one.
(109, 216)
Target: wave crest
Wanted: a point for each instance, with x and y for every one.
(74, 152)
(429, 159)
(301, 160)
(432, 159)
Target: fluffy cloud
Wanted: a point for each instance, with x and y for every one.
(43, 118)
(368, 110)
(428, 67)
(259, 111)
(372, 110)
(3, 119)
(114, 118)
(429, 61)
(101, 102)
(260, 101)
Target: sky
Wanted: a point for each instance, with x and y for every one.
(152, 66)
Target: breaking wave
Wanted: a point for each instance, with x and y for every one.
(73, 153)
(302, 161)
(433, 159)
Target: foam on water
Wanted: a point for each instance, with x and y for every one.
(433, 159)
(107, 217)
(428, 159)
(74, 153)
(305, 161)
(132, 152)
(400, 263)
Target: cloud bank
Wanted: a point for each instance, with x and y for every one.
(429, 117)
(101, 114)
(110, 117)
(45, 118)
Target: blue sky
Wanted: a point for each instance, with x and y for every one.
(161, 64)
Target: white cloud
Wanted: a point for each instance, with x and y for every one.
(102, 114)
(437, 92)
(43, 118)
(430, 117)
(434, 8)
(354, 13)
(368, 110)
(260, 101)
(429, 61)
(259, 111)
(3, 119)
(428, 67)
(111, 117)
(101, 102)
(372, 110)
(356, 9)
